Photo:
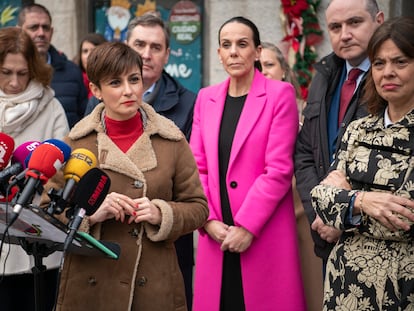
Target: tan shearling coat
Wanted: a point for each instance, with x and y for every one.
(146, 277)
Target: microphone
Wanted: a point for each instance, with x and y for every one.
(18, 165)
(45, 160)
(81, 161)
(63, 147)
(5, 176)
(88, 196)
(22, 156)
(22, 152)
(6, 149)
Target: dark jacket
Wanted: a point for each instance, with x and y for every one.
(67, 82)
(312, 149)
(170, 99)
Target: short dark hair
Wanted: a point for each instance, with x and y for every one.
(149, 20)
(252, 26)
(35, 7)
(111, 59)
(16, 40)
(371, 6)
(400, 30)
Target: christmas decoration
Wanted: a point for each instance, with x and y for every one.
(303, 32)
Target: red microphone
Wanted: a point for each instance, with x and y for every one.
(6, 149)
(45, 160)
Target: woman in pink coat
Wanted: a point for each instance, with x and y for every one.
(243, 137)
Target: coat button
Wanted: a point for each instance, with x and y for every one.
(92, 281)
(233, 184)
(134, 232)
(142, 281)
(138, 184)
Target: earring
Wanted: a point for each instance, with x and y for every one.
(283, 77)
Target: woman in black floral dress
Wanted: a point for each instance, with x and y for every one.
(369, 192)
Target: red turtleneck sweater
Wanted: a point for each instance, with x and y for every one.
(124, 133)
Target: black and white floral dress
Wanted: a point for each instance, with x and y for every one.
(371, 267)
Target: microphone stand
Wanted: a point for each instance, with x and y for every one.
(40, 234)
(39, 251)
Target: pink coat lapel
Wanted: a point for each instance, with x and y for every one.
(252, 110)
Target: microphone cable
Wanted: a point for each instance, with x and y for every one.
(6, 235)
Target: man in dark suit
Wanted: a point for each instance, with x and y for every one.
(350, 24)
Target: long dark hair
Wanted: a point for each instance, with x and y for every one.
(252, 26)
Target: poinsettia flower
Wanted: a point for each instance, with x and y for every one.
(294, 7)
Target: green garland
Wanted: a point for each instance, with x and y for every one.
(303, 33)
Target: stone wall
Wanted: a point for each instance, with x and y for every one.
(70, 24)
(68, 21)
(266, 14)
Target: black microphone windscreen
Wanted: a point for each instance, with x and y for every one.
(92, 190)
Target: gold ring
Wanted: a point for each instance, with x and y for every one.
(117, 200)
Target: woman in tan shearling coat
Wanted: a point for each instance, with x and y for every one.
(155, 195)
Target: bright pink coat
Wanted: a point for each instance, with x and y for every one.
(261, 164)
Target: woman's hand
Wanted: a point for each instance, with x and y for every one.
(238, 239)
(115, 205)
(338, 179)
(387, 209)
(217, 230)
(145, 210)
(327, 233)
